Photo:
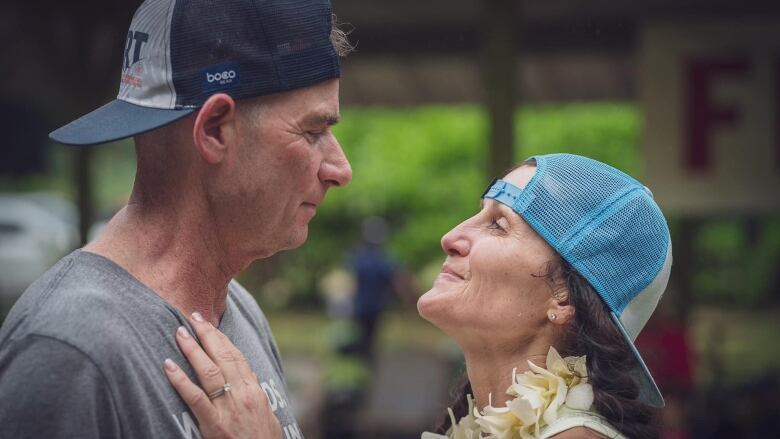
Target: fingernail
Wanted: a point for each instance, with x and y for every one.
(170, 365)
(198, 318)
(183, 332)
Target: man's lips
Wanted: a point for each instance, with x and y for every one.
(310, 208)
(314, 204)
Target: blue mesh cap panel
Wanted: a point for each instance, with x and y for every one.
(607, 226)
(600, 220)
(573, 186)
(621, 255)
(272, 45)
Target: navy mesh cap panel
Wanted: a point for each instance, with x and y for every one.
(180, 52)
(266, 47)
(300, 49)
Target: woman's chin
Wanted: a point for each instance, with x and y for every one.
(436, 303)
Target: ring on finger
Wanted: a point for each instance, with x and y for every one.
(219, 392)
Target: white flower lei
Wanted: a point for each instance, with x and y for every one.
(539, 394)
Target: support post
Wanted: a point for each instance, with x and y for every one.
(82, 159)
(499, 75)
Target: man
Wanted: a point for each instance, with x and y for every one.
(231, 105)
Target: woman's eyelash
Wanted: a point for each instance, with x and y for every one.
(494, 225)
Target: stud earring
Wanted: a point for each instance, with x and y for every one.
(553, 317)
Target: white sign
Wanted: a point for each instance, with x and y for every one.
(710, 93)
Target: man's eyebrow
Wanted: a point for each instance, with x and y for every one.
(328, 119)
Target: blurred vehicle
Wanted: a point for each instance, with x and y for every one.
(36, 229)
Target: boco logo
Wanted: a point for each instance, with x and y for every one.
(221, 77)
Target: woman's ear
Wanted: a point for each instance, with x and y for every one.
(215, 127)
(560, 311)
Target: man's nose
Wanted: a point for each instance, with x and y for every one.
(335, 169)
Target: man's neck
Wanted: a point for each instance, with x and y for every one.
(173, 253)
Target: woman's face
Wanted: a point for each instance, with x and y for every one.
(492, 285)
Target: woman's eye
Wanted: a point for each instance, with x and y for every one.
(494, 225)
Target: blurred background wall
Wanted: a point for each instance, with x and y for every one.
(439, 97)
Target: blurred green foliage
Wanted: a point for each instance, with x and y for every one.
(423, 169)
(735, 345)
(736, 268)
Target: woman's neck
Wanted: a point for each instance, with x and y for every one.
(490, 372)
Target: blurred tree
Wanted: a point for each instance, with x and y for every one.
(423, 169)
(67, 57)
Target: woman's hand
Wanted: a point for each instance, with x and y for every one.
(229, 403)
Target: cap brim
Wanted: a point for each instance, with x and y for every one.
(648, 390)
(113, 121)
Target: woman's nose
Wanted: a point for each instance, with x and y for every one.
(455, 242)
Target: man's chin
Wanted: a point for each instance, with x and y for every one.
(294, 240)
(298, 238)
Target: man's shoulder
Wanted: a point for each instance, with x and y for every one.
(80, 301)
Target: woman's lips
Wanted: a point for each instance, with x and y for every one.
(446, 271)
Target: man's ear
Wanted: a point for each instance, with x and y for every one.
(215, 127)
(560, 311)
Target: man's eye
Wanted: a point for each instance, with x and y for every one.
(313, 136)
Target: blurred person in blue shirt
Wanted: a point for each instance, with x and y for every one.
(375, 275)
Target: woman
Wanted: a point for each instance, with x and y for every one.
(567, 255)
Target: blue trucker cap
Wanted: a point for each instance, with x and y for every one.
(180, 52)
(608, 227)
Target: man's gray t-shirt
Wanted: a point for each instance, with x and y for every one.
(82, 351)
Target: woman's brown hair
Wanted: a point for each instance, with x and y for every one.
(609, 360)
